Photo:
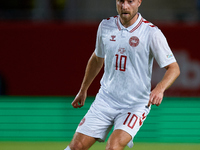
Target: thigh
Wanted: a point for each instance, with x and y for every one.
(118, 140)
(81, 141)
(97, 122)
(130, 121)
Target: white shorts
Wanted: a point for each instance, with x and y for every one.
(100, 119)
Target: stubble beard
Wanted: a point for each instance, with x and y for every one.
(125, 21)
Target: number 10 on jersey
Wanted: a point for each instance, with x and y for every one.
(120, 62)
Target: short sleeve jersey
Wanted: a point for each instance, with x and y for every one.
(128, 59)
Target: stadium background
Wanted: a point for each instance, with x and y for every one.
(45, 46)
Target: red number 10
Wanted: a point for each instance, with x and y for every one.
(123, 58)
(133, 120)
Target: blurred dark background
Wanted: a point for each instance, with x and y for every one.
(90, 10)
(45, 44)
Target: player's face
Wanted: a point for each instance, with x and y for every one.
(127, 9)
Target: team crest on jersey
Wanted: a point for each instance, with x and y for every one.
(82, 122)
(134, 41)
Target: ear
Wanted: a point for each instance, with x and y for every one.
(139, 3)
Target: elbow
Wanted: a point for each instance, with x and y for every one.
(178, 71)
(174, 69)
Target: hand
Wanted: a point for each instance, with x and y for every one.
(156, 97)
(79, 100)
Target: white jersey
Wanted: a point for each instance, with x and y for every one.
(128, 59)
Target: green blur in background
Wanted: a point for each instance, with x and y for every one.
(48, 123)
(96, 146)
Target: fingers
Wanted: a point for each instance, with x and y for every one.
(150, 100)
(76, 104)
(82, 103)
(154, 100)
(79, 101)
(149, 104)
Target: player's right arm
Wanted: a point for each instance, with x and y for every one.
(93, 67)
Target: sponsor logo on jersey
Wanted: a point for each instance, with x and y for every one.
(170, 56)
(134, 41)
(113, 38)
(82, 122)
(122, 50)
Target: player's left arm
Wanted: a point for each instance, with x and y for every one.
(172, 72)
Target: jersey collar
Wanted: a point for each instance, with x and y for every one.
(133, 27)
